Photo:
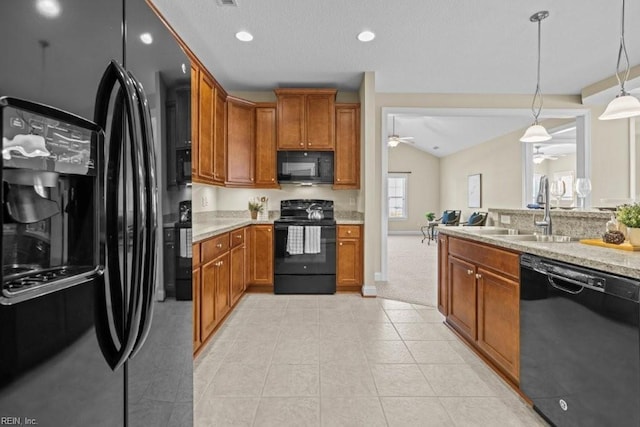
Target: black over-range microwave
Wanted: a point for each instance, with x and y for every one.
(305, 167)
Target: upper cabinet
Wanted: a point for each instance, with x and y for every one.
(207, 128)
(347, 150)
(306, 119)
(266, 146)
(240, 142)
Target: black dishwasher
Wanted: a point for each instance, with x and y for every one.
(579, 344)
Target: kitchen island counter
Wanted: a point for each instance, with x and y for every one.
(625, 263)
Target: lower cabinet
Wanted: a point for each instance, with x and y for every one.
(261, 257)
(222, 267)
(443, 250)
(349, 257)
(482, 300)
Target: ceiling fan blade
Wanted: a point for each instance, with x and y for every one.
(406, 137)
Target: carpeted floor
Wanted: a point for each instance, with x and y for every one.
(412, 271)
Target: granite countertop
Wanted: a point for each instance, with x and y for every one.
(616, 261)
(210, 225)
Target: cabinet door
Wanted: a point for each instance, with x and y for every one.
(222, 286)
(442, 274)
(499, 320)
(462, 297)
(347, 151)
(195, 284)
(237, 273)
(206, 111)
(291, 122)
(207, 299)
(266, 147)
(320, 121)
(219, 139)
(170, 152)
(240, 146)
(349, 262)
(262, 255)
(195, 116)
(183, 118)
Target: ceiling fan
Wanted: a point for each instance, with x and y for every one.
(395, 139)
(539, 156)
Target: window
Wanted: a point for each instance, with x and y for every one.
(397, 195)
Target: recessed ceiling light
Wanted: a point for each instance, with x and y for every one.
(146, 38)
(244, 36)
(366, 36)
(48, 8)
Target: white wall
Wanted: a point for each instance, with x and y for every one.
(423, 187)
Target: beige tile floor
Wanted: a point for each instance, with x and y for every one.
(343, 360)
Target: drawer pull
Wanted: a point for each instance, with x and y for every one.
(469, 272)
(239, 236)
(478, 276)
(219, 245)
(348, 231)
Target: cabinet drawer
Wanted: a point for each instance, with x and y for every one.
(506, 262)
(349, 231)
(196, 254)
(214, 247)
(237, 237)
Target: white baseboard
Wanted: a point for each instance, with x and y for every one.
(405, 233)
(377, 277)
(369, 290)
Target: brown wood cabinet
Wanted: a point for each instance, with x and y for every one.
(347, 149)
(483, 296)
(207, 128)
(237, 268)
(222, 274)
(261, 257)
(349, 257)
(443, 250)
(206, 120)
(306, 119)
(265, 138)
(207, 299)
(240, 142)
(195, 288)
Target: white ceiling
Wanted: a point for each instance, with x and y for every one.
(433, 46)
(421, 46)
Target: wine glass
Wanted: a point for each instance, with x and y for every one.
(583, 189)
(557, 190)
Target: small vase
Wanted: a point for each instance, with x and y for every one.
(633, 234)
(254, 214)
(623, 229)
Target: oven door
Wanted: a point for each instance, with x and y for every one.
(305, 264)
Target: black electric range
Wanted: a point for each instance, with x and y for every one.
(305, 247)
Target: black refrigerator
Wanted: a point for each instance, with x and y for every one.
(82, 340)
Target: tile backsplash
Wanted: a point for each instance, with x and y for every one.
(581, 224)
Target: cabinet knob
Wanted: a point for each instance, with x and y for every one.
(273, 179)
(309, 144)
(302, 143)
(268, 229)
(219, 245)
(478, 276)
(340, 243)
(348, 231)
(239, 236)
(469, 272)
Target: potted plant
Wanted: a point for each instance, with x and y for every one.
(430, 216)
(255, 206)
(629, 215)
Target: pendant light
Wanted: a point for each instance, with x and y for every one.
(536, 132)
(393, 139)
(623, 105)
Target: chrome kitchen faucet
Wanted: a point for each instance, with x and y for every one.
(543, 198)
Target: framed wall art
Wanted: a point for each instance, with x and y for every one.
(474, 190)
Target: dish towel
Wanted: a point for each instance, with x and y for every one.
(312, 239)
(295, 240)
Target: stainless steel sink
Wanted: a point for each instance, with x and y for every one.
(555, 238)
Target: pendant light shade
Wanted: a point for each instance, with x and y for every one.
(536, 132)
(621, 107)
(624, 105)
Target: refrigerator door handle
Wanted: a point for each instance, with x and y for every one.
(122, 306)
(148, 166)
